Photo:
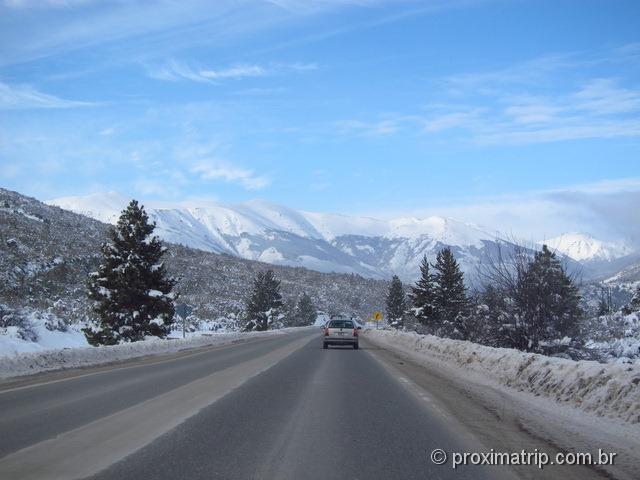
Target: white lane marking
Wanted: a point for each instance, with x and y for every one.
(87, 450)
(176, 356)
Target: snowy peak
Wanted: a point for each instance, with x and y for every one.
(259, 230)
(277, 217)
(332, 225)
(583, 247)
(378, 248)
(445, 230)
(257, 217)
(105, 207)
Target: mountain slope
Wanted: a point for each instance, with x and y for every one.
(46, 254)
(583, 247)
(259, 230)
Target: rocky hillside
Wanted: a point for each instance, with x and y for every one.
(263, 231)
(46, 254)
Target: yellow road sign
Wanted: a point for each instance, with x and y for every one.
(377, 316)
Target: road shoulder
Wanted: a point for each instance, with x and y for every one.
(507, 422)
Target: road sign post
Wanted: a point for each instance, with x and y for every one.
(183, 311)
(377, 316)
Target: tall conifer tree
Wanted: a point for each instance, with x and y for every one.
(396, 303)
(422, 295)
(450, 302)
(305, 312)
(264, 306)
(131, 290)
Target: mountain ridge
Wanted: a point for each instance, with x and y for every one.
(585, 247)
(264, 231)
(47, 253)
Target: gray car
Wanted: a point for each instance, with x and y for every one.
(341, 332)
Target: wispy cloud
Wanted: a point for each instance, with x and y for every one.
(175, 70)
(601, 208)
(564, 99)
(446, 121)
(237, 71)
(215, 169)
(14, 97)
(597, 108)
(44, 3)
(376, 128)
(604, 96)
(107, 132)
(549, 99)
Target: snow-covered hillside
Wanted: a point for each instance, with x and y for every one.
(46, 254)
(583, 247)
(259, 230)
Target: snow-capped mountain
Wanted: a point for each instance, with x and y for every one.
(46, 254)
(259, 230)
(374, 248)
(585, 248)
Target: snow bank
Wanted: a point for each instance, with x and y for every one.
(41, 361)
(13, 343)
(27, 330)
(607, 390)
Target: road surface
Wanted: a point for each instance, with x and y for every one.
(277, 407)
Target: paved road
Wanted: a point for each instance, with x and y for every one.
(279, 407)
(30, 415)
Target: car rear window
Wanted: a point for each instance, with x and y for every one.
(341, 324)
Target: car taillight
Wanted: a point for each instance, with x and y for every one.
(326, 332)
(355, 332)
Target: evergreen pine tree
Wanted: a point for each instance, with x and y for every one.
(264, 306)
(396, 303)
(548, 303)
(487, 322)
(305, 312)
(131, 291)
(289, 318)
(450, 297)
(422, 296)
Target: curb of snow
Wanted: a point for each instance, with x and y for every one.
(48, 360)
(607, 390)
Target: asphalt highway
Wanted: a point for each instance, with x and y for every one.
(278, 407)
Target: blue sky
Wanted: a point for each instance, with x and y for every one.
(350, 106)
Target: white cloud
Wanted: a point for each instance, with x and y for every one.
(603, 96)
(451, 120)
(215, 169)
(528, 110)
(175, 70)
(602, 209)
(564, 129)
(563, 101)
(44, 3)
(237, 71)
(13, 97)
(569, 102)
(379, 128)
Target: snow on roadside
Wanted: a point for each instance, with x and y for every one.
(28, 330)
(13, 343)
(607, 390)
(28, 363)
